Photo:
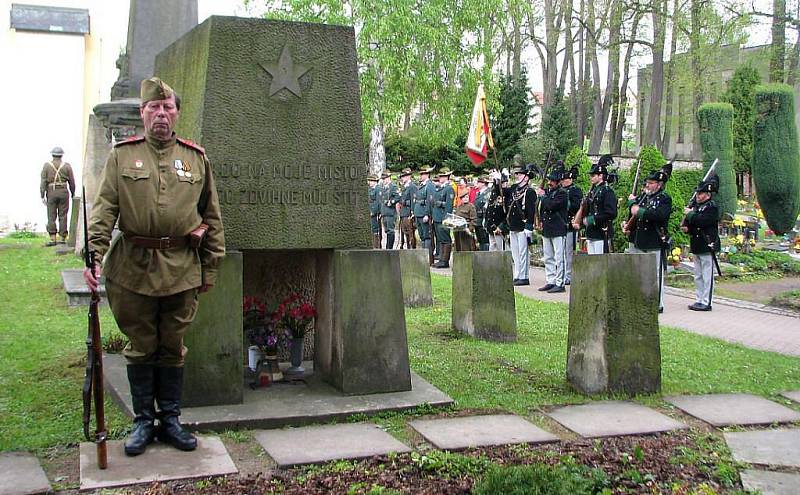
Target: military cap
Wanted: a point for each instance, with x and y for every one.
(661, 175)
(485, 179)
(57, 151)
(571, 173)
(445, 172)
(385, 175)
(406, 171)
(556, 174)
(519, 170)
(427, 170)
(601, 167)
(155, 89)
(710, 185)
(372, 177)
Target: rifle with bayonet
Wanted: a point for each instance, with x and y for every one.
(93, 382)
(629, 226)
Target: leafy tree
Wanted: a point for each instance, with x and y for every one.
(512, 122)
(776, 164)
(558, 127)
(741, 94)
(716, 139)
(577, 156)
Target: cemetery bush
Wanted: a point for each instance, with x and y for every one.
(411, 150)
(740, 94)
(577, 156)
(534, 479)
(789, 300)
(716, 138)
(762, 260)
(776, 164)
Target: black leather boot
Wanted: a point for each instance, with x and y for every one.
(169, 386)
(390, 240)
(142, 381)
(444, 259)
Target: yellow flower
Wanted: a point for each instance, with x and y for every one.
(740, 238)
(676, 251)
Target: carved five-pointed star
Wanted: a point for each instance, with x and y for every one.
(285, 73)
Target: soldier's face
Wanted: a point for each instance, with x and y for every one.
(652, 186)
(159, 117)
(702, 197)
(596, 178)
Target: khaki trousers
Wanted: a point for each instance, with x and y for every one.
(154, 325)
(57, 207)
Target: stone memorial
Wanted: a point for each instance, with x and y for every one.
(613, 339)
(483, 295)
(276, 104)
(416, 274)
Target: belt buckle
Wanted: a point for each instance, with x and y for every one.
(164, 243)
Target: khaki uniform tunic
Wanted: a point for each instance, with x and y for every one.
(57, 185)
(153, 292)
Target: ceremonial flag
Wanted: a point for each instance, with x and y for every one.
(479, 139)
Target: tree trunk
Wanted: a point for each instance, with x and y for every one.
(622, 104)
(697, 73)
(517, 47)
(652, 131)
(602, 106)
(666, 141)
(794, 61)
(777, 58)
(580, 108)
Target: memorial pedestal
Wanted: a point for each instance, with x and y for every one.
(416, 276)
(483, 295)
(613, 340)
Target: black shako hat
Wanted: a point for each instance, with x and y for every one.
(710, 185)
(661, 175)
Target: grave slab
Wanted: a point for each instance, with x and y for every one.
(22, 474)
(795, 396)
(319, 444)
(733, 409)
(75, 287)
(477, 431)
(416, 277)
(773, 447)
(612, 418)
(770, 483)
(161, 463)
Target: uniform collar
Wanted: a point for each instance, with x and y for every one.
(161, 145)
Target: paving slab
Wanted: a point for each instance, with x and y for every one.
(795, 396)
(770, 483)
(772, 447)
(612, 418)
(319, 444)
(734, 409)
(478, 431)
(160, 463)
(22, 474)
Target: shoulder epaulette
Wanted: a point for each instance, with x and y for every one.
(191, 144)
(130, 140)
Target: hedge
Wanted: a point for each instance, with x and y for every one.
(716, 138)
(776, 164)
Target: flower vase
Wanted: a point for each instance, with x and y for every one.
(296, 358)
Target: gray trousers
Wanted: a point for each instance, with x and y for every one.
(704, 278)
(594, 246)
(497, 242)
(520, 255)
(554, 259)
(660, 270)
(569, 252)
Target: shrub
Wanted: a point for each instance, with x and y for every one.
(740, 94)
(776, 164)
(716, 138)
(534, 479)
(577, 156)
(761, 260)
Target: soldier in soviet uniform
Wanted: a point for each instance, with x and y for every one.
(575, 197)
(407, 209)
(442, 206)
(56, 187)
(374, 211)
(465, 239)
(161, 189)
(390, 205)
(702, 224)
(652, 209)
(423, 210)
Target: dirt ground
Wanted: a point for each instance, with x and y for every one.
(760, 291)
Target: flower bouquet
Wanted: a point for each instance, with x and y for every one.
(294, 315)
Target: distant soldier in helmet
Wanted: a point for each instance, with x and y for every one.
(57, 185)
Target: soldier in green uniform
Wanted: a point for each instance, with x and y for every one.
(465, 239)
(161, 189)
(374, 211)
(702, 224)
(56, 187)
(442, 206)
(481, 203)
(407, 209)
(390, 205)
(423, 210)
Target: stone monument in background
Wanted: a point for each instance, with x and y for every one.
(276, 104)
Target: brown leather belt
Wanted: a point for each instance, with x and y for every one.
(157, 242)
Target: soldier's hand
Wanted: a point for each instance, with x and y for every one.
(631, 196)
(684, 228)
(425, 219)
(44, 201)
(204, 288)
(576, 226)
(93, 279)
(634, 210)
(686, 211)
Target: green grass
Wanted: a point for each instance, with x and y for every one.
(42, 348)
